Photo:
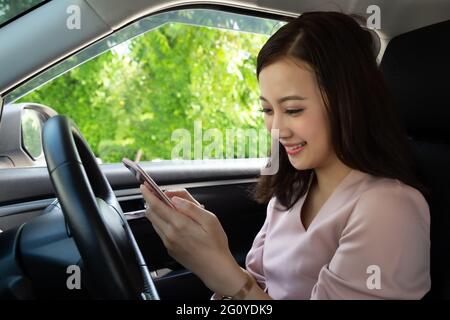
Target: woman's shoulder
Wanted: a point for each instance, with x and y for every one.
(388, 195)
(392, 189)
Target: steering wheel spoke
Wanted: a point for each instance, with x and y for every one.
(103, 237)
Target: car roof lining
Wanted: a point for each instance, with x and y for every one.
(21, 58)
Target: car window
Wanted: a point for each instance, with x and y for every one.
(10, 9)
(177, 85)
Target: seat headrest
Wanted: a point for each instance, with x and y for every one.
(416, 66)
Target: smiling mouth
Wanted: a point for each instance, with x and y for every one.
(295, 148)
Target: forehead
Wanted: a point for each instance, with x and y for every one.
(287, 76)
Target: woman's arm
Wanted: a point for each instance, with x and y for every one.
(235, 279)
(383, 251)
(194, 237)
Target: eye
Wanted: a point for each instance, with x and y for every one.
(294, 111)
(265, 110)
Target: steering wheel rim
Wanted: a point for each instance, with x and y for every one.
(114, 265)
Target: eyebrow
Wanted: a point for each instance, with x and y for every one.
(287, 98)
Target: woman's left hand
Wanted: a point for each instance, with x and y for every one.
(195, 238)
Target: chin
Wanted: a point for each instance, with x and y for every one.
(299, 165)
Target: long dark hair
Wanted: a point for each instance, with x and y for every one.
(365, 131)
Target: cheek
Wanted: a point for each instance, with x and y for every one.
(316, 132)
(323, 142)
(321, 135)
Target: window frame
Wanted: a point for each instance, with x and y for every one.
(246, 13)
(14, 93)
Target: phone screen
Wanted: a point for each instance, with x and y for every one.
(143, 176)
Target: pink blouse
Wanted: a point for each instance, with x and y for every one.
(370, 240)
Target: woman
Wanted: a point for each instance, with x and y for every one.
(346, 217)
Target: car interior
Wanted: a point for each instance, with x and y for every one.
(75, 211)
(415, 76)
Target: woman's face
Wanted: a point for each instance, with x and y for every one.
(292, 103)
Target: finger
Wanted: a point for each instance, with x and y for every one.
(159, 208)
(182, 193)
(158, 224)
(161, 235)
(178, 190)
(156, 221)
(156, 205)
(193, 211)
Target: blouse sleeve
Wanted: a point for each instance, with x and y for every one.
(383, 252)
(254, 260)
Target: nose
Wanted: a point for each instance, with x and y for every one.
(279, 123)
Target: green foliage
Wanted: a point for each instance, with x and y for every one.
(129, 101)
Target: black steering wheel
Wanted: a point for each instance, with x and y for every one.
(112, 261)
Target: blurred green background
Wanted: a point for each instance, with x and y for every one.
(128, 101)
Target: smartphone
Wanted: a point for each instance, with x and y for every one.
(143, 176)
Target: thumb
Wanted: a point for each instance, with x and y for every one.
(190, 209)
(182, 194)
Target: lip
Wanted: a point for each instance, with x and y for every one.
(295, 151)
(291, 144)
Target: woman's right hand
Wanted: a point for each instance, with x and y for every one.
(182, 193)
